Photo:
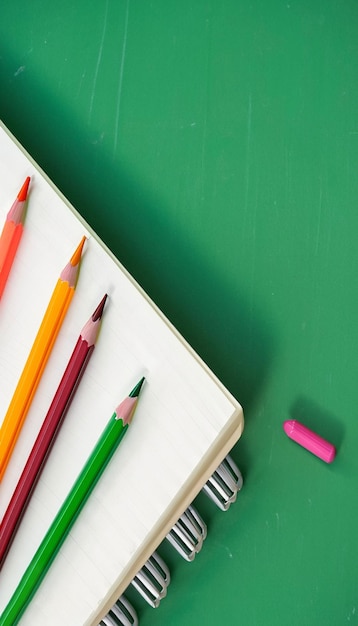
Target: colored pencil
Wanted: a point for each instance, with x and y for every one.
(11, 234)
(71, 508)
(38, 357)
(49, 430)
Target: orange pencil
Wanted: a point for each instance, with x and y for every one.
(11, 234)
(38, 357)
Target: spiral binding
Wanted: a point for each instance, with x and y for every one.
(224, 485)
(121, 614)
(186, 536)
(152, 580)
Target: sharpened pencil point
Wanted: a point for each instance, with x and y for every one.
(75, 259)
(99, 310)
(71, 270)
(126, 409)
(136, 391)
(22, 195)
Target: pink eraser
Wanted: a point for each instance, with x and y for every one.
(309, 440)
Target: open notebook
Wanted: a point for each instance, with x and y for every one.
(185, 424)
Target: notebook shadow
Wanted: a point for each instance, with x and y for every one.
(207, 306)
(205, 303)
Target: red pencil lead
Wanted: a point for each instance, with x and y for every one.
(99, 310)
(12, 233)
(22, 195)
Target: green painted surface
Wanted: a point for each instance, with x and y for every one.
(214, 147)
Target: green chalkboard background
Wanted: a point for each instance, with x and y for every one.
(214, 147)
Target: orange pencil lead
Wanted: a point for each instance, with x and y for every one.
(70, 272)
(75, 259)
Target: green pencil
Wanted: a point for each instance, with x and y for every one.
(70, 509)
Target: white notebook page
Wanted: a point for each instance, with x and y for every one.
(184, 424)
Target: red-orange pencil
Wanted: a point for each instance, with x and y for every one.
(11, 234)
(49, 430)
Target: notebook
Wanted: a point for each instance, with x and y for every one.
(185, 424)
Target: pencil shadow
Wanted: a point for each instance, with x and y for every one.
(318, 419)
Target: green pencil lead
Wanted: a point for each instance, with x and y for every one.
(136, 391)
(125, 410)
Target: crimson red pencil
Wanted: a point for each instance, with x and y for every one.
(49, 430)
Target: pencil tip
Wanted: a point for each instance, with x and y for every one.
(21, 196)
(75, 259)
(136, 391)
(99, 310)
(126, 409)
